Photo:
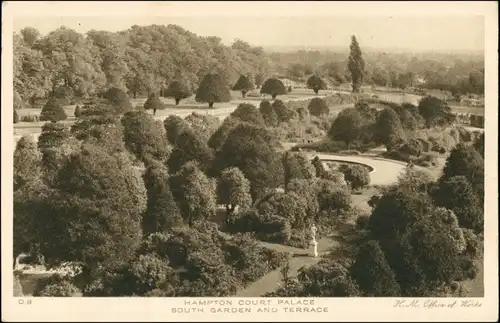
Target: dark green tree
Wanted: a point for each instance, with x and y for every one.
(356, 65)
(388, 129)
(347, 126)
(118, 99)
(233, 190)
(162, 212)
(435, 112)
(213, 88)
(248, 113)
(268, 113)
(154, 103)
(145, 137)
(372, 273)
(52, 111)
(318, 107)
(78, 111)
(174, 127)
(316, 83)
(244, 84)
(194, 193)
(284, 112)
(273, 87)
(250, 148)
(177, 90)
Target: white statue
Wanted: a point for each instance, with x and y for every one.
(313, 241)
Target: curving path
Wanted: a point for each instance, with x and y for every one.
(385, 171)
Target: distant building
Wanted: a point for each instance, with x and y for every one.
(472, 100)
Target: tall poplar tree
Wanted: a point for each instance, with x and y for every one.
(356, 65)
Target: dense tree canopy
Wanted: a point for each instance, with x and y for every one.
(318, 107)
(213, 88)
(347, 126)
(244, 84)
(154, 103)
(273, 87)
(316, 83)
(194, 193)
(249, 148)
(52, 111)
(177, 90)
(248, 113)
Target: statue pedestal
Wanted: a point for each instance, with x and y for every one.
(315, 248)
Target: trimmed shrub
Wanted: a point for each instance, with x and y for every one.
(16, 117)
(356, 175)
(52, 111)
(78, 112)
(30, 118)
(318, 107)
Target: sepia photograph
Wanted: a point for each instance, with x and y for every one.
(287, 158)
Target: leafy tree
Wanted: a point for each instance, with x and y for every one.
(356, 65)
(190, 147)
(203, 125)
(30, 35)
(394, 213)
(96, 214)
(248, 113)
(297, 166)
(372, 272)
(52, 111)
(318, 107)
(268, 113)
(63, 288)
(347, 126)
(356, 175)
(101, 125)
(53, 135)
(326, 279)
(177, 90)
(259, 79)
(111, 53)
(118, 99)
(291, 206)
(162, 212)
(244, 84)
(334, 198)
(479, 144)
(77, 112)
(219, 136)
(213, 88)
(466, 161)
(154, 103)
(250, 149)
(457, 194)
(388, 129)
(435, 111)
(194, 193)
(233, 190)
(145, 137)
(283, 112)
(16, 117)
(316, 83)
(273, 87)
(149, 272)
(174, 127)
(27, 162)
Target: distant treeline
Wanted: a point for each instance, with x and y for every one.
(145, 59)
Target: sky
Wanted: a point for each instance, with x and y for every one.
(416, 33)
